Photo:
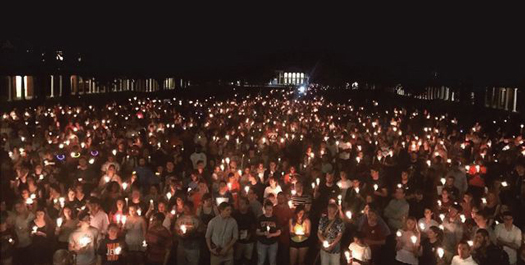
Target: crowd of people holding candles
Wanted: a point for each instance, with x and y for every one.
(258, 179)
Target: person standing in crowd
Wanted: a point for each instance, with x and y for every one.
(300, 229)
(99, 219)
(66, 224)
(21, 223)
(430, 246)
(359, 251)
(283, 213)
(330, 232)
(509, 237)
(84, 241)
(407, 242)
(187, 229)
(158, 241)
(221, 235)
(246, 222)
(43, 238)
(112, 249)
(464, 256)
(268, 233)
(484, 252)
(8, 240)
(135, 232)
(397, 209)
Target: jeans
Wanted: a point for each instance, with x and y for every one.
(329, 258)
(267, 250)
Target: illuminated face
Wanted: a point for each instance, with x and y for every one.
(112, 232)
(67, 212)
(411, 224)
(40, 215)
(132, 210)
(464, 251)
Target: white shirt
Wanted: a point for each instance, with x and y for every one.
(360, 253)
(195, 157)
(269, 190)
(100, 221)
(458, 261)
(513, 235)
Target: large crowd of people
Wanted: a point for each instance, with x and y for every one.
(257, 179)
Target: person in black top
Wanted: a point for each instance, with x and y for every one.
(267, 232)
(112, 249)
(486, 253)
(246, 222)
(430, 246)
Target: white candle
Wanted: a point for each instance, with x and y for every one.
(59, 221)
(440, 252)
(376, 187)
(413, 239)
(183, 229)
(35, 228)
(326, 244)
(124, 219)
(268, 228)
(84, 241)
(399, 233)
(504, 184)
(348, 214)
(118, 250)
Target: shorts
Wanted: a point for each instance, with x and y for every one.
(303, 244)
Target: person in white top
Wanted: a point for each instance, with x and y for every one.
(359, 251)
(463, 257)
(408, 241)
(274, 188)
(426, 222)
(509, 237)
(197, 156)
(99, 219)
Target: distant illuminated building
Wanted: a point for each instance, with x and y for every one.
(287, 78)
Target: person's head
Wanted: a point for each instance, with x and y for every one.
(40, 214)
(428, 213)
(300, 212)
(272, 181)
(371, 215)
(450, 181)
(399, 194)
(359, 237)
(508, 219)
(434, 232)
(444, 194)
(268, 208)
(281, 198)
(454, 210)
(343, 175)
(132, 209)
(481, 238)
(244, 204)
(410, 223)
(374, 172)
(157, 219)
(520, 169)
(332, 210)
(142, 161)
(329, 177)
(93, 204)
(299, 187)
(481, 219)
(207, 200)
(20, 207)
(404, 175)
(225, 209)
(467, 197)
(113, 231)
(84, 218)
(161, 206)
(463, 250)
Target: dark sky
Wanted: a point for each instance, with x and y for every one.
(226, 39)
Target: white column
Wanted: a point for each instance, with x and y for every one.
(60, 86)
(52, 86)
(515, 105)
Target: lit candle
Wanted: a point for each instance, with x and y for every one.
(123, 219)
(118, 250)
(422, 226)
(118, 217)
(247, 189)
(440, 252)
(357, 190)
(376, 187)
(168, 195)
(399, 233)
(348, 256)
(413, 239)
(504, 184)
(229, 186)
(29, 201)
(317, 181)
(268, 228)
(339, 199)
(463, 218)
(470, 243)
(84, 241)
(139, 212)
(35, 228)
(124, 185)
(348, 214)
(183, 229)
(326, 244)
(443, 180)
(484, 200)
(299, 231)
(59, 221)
(144, 244)
(442, 217)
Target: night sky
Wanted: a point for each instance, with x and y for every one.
(228, 41)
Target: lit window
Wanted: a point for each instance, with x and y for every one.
(18, 86)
